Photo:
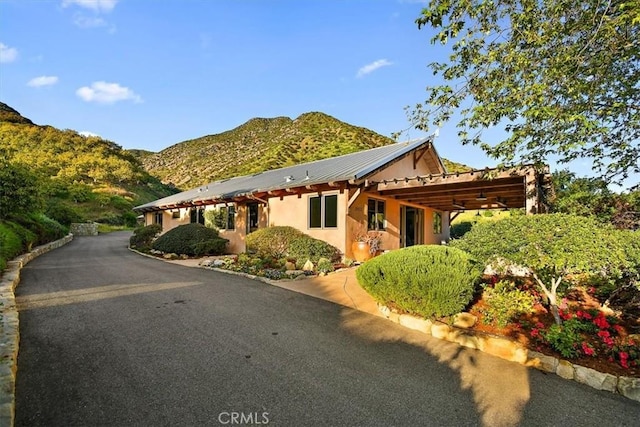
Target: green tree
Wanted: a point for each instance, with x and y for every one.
(19, 190)
(553, 247)
(561, 76)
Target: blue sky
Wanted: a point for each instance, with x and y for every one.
(151, 73)
(148, 74)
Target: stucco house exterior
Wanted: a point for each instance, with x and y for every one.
(402, 191)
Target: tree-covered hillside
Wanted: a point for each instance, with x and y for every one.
(261, 144)
(79, 178)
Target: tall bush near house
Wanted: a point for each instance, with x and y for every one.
(272, 241)
(143, 236)
(553, 247)
(428, 280)
(191, 239)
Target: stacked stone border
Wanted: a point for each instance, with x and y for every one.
(515, 352)
(10, 327)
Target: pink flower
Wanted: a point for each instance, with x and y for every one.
(539, 325)
(591, 290)
(563, 303)
(535, 333)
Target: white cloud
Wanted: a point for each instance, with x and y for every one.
(7, 54)
(84, 21)
(107, 93)
(43, 81)
(95, 5)
(88, 134)
(370, 68)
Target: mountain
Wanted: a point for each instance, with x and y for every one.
(261, 144)
(80, 178)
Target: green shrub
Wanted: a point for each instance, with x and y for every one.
(427, 280)
(143, 236)
(283, 241)
(14, 240)
(63, 212)
(306, 247)
(460, 229)
(190, 239)
(505, 302)
(324, 266)
(45, 229)
(566, 338)
(272, 241)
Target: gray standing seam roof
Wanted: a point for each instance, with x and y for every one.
(354, 166)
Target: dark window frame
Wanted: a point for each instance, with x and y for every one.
(326, 217)
(376, 214)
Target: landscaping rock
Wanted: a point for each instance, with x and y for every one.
(464, 320)
(205, 263)
(308, 266)
(629, 387)
(440, 330)
(289, 266)
(504, 349)
(565, 370)
(218, 263)
(412, 322)
(542, 362)
(595, 379)
(386, 311)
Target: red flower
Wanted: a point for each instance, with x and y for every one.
(564, 315)
(583, 315)
(624, 356)
(535, 333)
(619, 329)
(591, 290)
(601, 322)
(539, 325)
(587, 349)
(604, 334)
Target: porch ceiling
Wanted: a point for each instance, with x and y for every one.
(462, 191)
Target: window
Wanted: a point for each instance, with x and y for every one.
(375, 215)
(197, 215)
(225, 218)
(437, 222)
(175, 214)
(157, 218)
(323, 211)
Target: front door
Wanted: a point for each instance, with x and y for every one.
(252, 217)
(411, 226)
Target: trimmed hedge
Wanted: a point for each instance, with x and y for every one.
(192, 240)
(306, 247)
(45, 229)
(272, 241)
(429, 280)
(284, 241)
(143, 236)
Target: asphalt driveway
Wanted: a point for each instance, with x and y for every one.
(112, 338)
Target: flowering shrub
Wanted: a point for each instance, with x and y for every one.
(589, 333)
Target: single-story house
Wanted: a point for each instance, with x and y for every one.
(402, 190)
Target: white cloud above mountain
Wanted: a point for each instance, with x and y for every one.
(103, 92)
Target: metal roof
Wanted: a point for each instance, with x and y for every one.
(349, 167)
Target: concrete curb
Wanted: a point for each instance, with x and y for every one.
(515, 352)
(10, 327)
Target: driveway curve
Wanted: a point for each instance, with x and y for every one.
(111, 338)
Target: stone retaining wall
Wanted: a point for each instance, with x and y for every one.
(515, 352)
(84, 229)
(10, 330)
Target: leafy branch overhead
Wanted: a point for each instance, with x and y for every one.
(561, 77)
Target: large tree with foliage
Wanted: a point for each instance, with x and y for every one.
(562, 77)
